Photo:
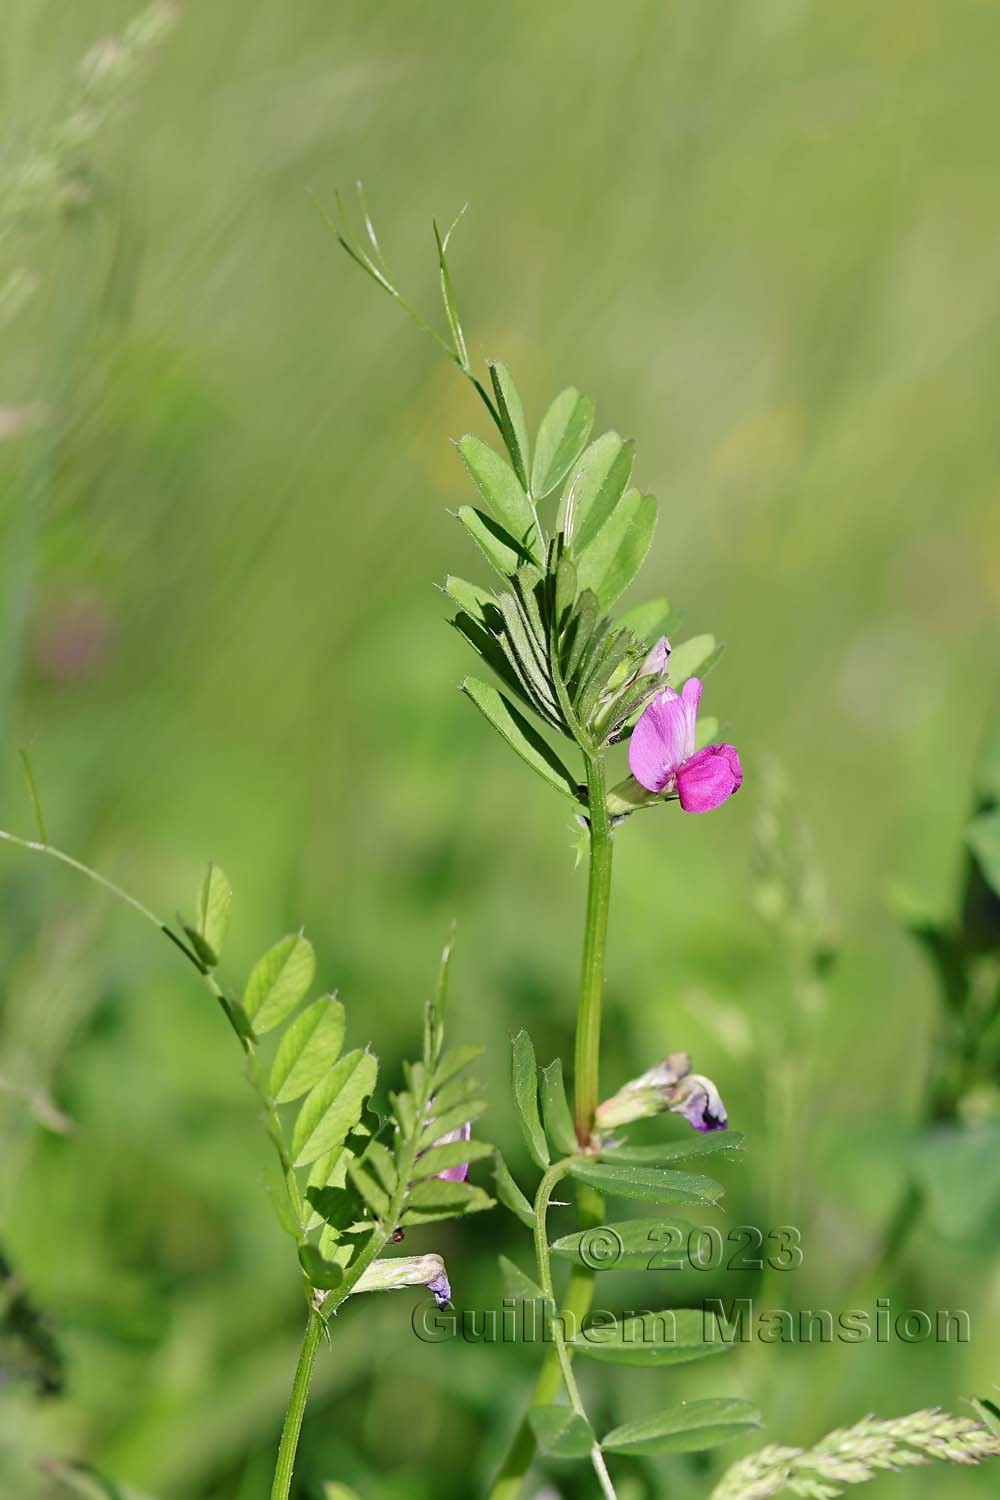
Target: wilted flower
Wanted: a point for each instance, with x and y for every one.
(662, 755)
(407, 1270)
(669, 1086)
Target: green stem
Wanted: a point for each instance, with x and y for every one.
(288, 1447)
(559, 1320)
(580, 1288)
(588, 1020)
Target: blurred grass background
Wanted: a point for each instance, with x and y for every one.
(763, 237)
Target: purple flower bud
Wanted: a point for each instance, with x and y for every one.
(657, 659)
(699, 1101)
(440, 1287)
(407, 1270)
(662, 755)
(670, 1085)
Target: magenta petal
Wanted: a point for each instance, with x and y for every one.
(664, 737)
(709, 778)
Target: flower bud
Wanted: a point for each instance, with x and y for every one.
(407, 1270)
(670, 1085)
(657, 659)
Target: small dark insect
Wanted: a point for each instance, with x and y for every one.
(398, 1236)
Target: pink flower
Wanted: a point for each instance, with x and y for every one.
(662, 757)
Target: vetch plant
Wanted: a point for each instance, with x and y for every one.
(349, 1183)
(565, 532)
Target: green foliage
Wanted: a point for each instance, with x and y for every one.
(560, 1432)
(728, 1143)
(619, 549)
(278, 982)
(333, 1106)
(562, 437)
(518, 1283)
(511, 420)
(513, 727)
(29, 1349)
(693, 658)
(524, 1080)
(983, 838)
(510, 1194)
(649, 1340)
(308, 1049)
(631, 1245)
(646, 1184)
(232, 472)
(556, 1112)
(86, 1483)
(499, 486)
(689, 1428)
(215, 900)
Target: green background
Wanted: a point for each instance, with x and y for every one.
(764, 237)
